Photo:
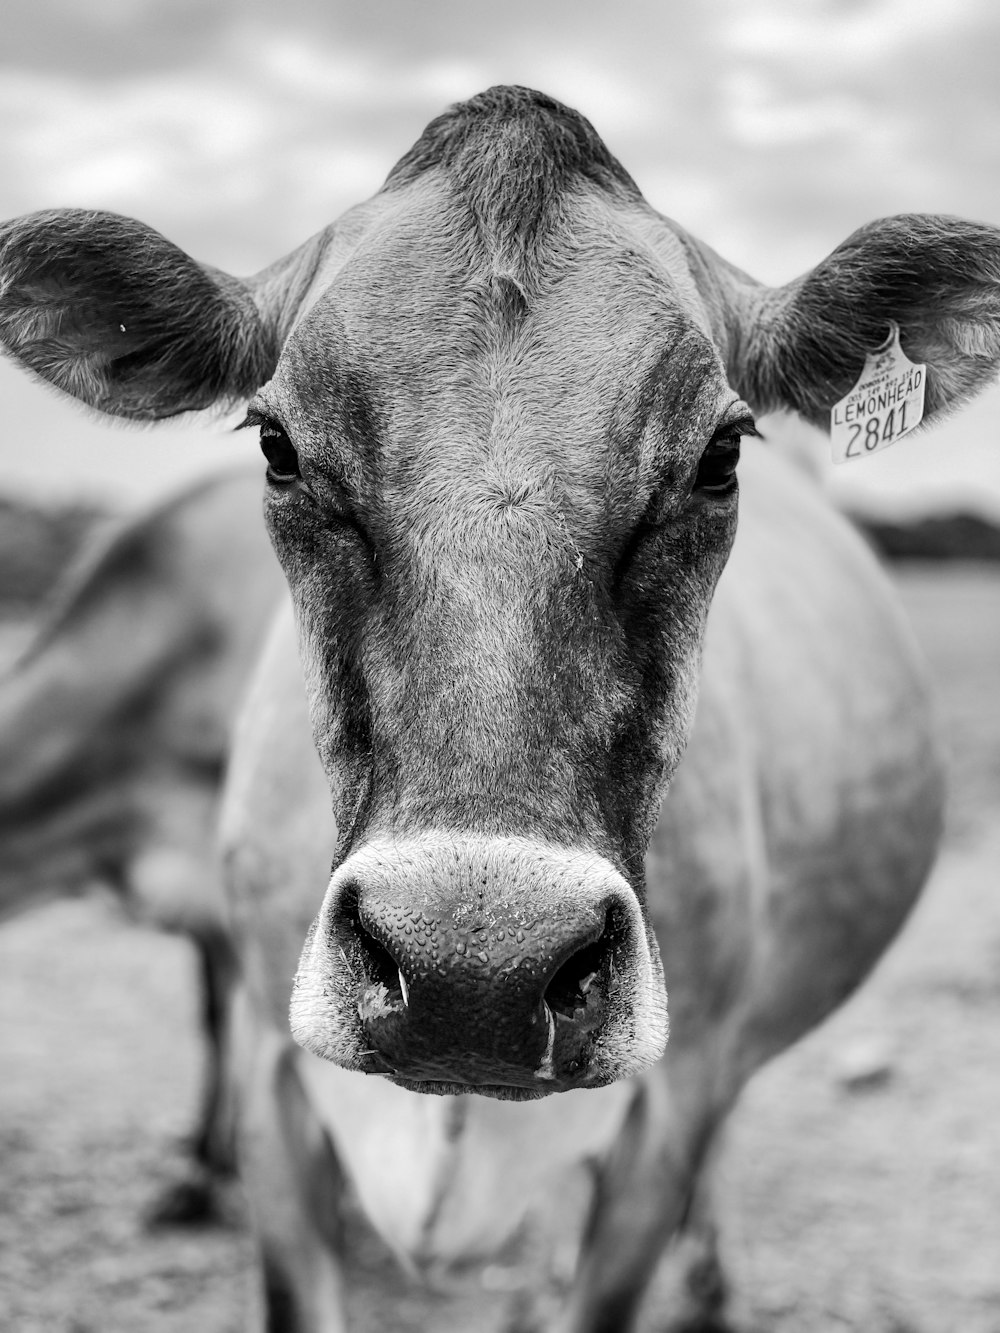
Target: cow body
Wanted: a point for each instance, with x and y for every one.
(768, 914)
(562, 750)
(115, 726)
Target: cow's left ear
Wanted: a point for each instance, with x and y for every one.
(109, 311)
(938, 278)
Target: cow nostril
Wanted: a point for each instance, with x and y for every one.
(381, 969)
(384, 987)
(568, 990)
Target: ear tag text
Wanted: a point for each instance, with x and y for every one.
(886, 403)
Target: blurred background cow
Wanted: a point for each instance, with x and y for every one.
(115, 726)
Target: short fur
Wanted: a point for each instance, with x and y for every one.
(110, 312)
(512, 154)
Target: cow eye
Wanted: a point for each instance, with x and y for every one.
(282, 460)
(716, 473)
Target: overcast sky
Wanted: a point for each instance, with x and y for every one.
(770, 129)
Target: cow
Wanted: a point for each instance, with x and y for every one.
(115, 724)
(542, 739)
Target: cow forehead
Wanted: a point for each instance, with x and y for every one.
(425, 337)
(421, 281)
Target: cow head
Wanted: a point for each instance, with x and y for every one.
(501, 405)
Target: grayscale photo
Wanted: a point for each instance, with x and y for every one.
(500, 666)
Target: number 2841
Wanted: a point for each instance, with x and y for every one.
(866, 436)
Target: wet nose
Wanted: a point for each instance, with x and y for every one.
(481, 1000)
(492, 965)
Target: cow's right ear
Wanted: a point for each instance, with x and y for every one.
(109, 311)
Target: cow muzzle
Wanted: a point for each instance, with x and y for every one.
(500, 966)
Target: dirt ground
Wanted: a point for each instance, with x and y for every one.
(860, 1180)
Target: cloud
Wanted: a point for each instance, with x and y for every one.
(843, 34)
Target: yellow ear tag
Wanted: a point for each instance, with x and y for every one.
(886, 403)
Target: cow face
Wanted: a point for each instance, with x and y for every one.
(502, 414)
(502, 485)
